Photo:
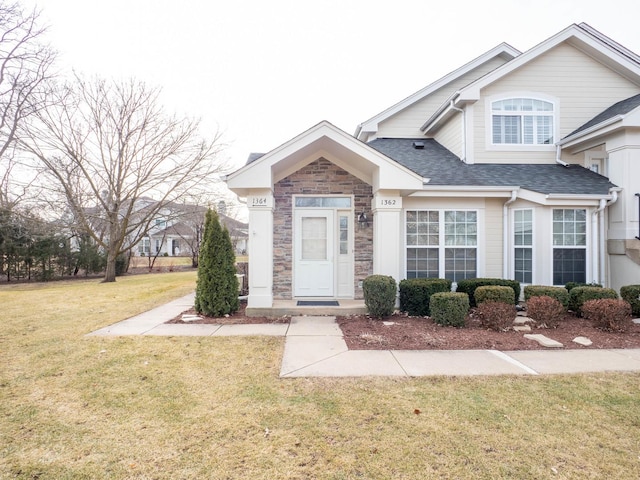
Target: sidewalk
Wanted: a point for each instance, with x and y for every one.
(314, 347)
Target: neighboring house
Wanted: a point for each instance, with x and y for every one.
(516, 165)
(179, 228)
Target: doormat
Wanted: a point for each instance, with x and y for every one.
(318, 303)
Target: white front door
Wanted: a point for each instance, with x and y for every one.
(314, 253)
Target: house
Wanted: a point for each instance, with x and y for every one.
(177, 231)
(519, 165)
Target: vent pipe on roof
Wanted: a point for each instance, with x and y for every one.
(418, 145)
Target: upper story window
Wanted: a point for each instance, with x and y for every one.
(522, 121)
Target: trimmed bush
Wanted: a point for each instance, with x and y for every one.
(579, 295)
(631, 294)
(608, 314)
(470, 285)
(379, 295)
(449, 308)
(416, 292)
(571, 285)
(561, 294)
(545, 310)
(497, 316)
(494, 293)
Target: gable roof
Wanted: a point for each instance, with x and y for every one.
(443, 168)
(503, 50)
(583, 37)
(327, 141)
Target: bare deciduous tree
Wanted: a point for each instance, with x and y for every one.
(25, 68)
(116, 158)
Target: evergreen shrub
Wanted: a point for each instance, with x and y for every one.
(470, 285)
(571, 285)
(494, 293)
(449, 308)
(217, 285)
(416, 292)
(379, 295)
(631, 294)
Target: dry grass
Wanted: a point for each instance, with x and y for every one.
(185, 407)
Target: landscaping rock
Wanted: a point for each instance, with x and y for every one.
(583, 341)
(522, 328)
(636, 320)
(523, 320)
(190, 318)
(544, 341)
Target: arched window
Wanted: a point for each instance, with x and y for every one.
(522, 121)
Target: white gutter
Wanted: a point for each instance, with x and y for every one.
(505, 233)
(464, 131)
(558, 161)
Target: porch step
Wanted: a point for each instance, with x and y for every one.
(289, 308)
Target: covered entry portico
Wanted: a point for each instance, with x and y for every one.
(304, 199)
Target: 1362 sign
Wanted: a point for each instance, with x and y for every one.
(389, 202)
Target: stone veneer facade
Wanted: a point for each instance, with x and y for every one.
(320, 177)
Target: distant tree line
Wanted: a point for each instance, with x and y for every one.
(32, 249)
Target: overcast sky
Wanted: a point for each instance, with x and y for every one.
(264, 71)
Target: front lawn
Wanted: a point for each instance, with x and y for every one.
(202, 407)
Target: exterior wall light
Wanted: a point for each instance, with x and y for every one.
(363, 221)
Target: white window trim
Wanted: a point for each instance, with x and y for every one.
(587, 246)
(479, 246)
(512, 266)
(518, 146)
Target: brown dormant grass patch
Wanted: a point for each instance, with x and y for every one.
(186, 407)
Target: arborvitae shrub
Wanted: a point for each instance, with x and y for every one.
(631, 294)
(561, 294)
(449, 308)
(497, 316)
(379, 295)
(545, 310)
(579, 295)
(415, 294)
(217, 285)
(608, 314)
(470, 285)
(494, 293)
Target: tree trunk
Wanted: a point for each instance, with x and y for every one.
(110, 272)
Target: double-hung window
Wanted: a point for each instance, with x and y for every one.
(522, 121)
(523, 245)
(442, 244)
(569, 245)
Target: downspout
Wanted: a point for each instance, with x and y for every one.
(596, 224)
(505, 233)
(558, 152)
(601, 245)
(464, 130)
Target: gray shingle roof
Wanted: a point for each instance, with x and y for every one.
(621, 108)
(442, 167)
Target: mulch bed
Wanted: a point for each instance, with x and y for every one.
(237, 318)
(421, 333)
(362, 332)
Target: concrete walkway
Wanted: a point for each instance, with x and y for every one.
(314, 347)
